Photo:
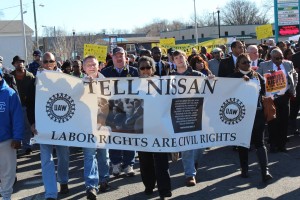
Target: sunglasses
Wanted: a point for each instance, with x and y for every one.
(278, 58)
(246, 62)
(48, 61)
(143, 68)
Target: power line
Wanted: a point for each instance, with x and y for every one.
(13, 6)
(10, 21)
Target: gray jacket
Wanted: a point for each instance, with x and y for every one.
(292, 76)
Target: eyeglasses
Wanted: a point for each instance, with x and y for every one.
(143, 68)
(246, 62)
(48, 61)
(278, 58)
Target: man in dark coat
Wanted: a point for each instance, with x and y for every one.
(227, 65)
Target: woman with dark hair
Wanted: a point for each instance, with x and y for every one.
(66, 67)
(198, 64)
(154, 166)
(288, 53)
(243, 70)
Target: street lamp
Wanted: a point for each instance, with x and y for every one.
(219, 23)
(74, 44)
(35, 24)
(196, 26)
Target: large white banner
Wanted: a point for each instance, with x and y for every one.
(159, 114)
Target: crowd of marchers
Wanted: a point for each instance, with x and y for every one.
(17, 112)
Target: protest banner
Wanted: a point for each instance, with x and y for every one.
(264, 31)
(98, 51)
(210, 44)
(167, 41)
(158, 114)
(275, 83)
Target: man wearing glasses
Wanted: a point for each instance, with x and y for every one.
(278, 127)
(252, 50)
(47, 161)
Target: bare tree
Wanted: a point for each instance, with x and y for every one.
(158, 25)
(205, 18)
(237, 12)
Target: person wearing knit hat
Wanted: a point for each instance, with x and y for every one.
(33, 67)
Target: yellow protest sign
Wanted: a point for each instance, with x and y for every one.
(98, 51)
(167, 41)
(210, 44)
(264, 31)
(155, 45)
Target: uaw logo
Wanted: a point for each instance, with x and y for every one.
(2, 106)
(60, 107)
(232, 111)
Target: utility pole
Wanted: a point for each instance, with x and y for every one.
(35, 26)
(24, 32)
(196, 26)
(219, 27)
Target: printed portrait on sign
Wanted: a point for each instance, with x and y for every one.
(126, 115)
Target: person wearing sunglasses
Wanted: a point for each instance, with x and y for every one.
(243, 70)
(278, 127)
(154, 166)
(46, 150)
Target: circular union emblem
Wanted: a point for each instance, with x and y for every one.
(60, 107)
(232, 111)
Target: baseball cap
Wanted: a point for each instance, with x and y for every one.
(37, 53)
(118, 50)
(216, 50)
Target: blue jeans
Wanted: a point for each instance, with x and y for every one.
(48, 168)
(121, 156)
(189, 158)
(103, 165)
(90, 170)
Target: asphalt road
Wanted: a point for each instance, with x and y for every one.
(218, 178)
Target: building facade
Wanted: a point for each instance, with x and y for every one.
(12, 41)
(246, 33)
